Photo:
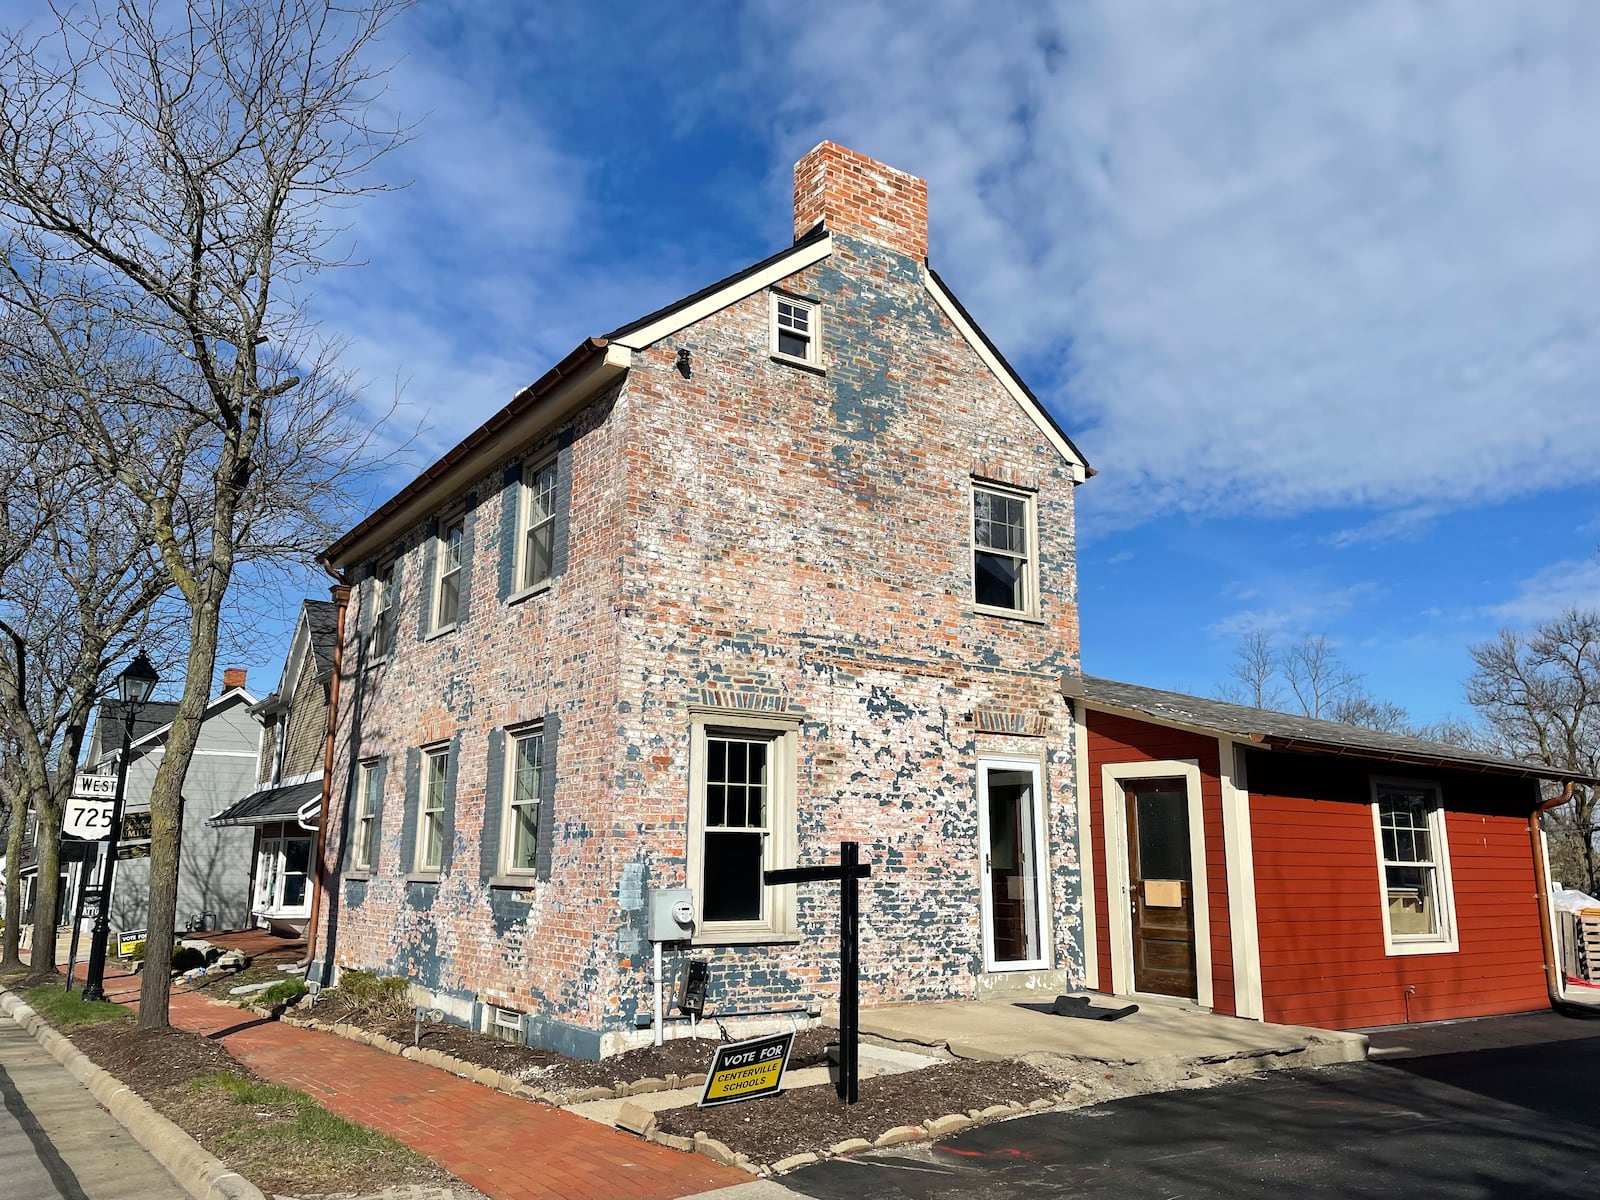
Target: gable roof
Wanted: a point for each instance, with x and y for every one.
(1285, 731)
(597, 362)
(322, 622)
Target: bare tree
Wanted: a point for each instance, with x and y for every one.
(1311, 678)
(183, 165)
(1539, 693)
(1254, 673)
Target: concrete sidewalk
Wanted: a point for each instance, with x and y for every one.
(1160, 1032)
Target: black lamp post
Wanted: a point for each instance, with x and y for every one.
(134, 685)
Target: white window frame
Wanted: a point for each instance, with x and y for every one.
(779, 850)
(366, 816)
(443, 568)
(813, 355)
(1030, 558)
(381, 636)
(509, 805)
(272, 870)
(526, 524)
(1447, 939)
(419, 852)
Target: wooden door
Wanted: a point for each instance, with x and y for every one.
(1160, 877)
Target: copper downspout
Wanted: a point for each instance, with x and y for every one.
(1541, 866)
(341, 600)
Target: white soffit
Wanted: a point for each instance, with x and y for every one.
(1029, 405)
(801, 258)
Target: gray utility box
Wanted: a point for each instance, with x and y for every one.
(671, 914)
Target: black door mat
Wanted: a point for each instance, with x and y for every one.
(1084, 1008)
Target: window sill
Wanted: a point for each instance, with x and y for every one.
(803, 363)
(440, 632)
(377, 662)
(754, 937)
(537, 589)
(358, 876)
(520, 883)
(1436, 946)
(424, 876)
(1009, 614)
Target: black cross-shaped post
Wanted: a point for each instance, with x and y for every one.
(849, 873)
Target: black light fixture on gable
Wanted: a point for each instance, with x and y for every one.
(684, 362)
(134, 685)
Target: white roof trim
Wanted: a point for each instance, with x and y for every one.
(797, 260)
(1030, 406)
(298, 648)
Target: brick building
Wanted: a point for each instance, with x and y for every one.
(787, 562)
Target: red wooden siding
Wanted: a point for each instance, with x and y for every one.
(1114, 739)
(1317, 902)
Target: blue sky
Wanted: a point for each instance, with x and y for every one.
(1316, 287)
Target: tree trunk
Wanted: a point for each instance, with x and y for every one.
(42, 958)
(11, 954)
(166, 817)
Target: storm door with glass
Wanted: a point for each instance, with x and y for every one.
(1010, 832)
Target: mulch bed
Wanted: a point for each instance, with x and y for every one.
(812, 1118)
(545, 1069)
(162, 1066)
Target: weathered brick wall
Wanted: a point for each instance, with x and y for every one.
(756, 534)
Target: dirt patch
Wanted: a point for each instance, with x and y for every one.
(279, 1139)
(810, 1119)
(545, 1069)
(263, 968)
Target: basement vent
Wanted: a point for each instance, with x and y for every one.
(506, 1025)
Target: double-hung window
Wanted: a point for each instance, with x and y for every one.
(796, 334)
(1413, 867)
(1005, 564)
(742, 822)
(380, 640)
(536, 550)
(430, 813)
(447, 574)
(520, 821)
(366, 817)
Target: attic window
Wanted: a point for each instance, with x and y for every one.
(796, 335)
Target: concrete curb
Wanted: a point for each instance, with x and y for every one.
(196, 1170)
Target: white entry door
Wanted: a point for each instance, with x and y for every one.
(1012, 867)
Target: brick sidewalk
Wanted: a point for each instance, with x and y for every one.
(509, 1149)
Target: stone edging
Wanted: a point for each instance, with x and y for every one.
(938, 1127)
(487, 1076)
(197, 1170)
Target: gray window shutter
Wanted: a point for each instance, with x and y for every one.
(547, 799)
(429, 565)
(377, 811)
(447, 852)
(377, 815)
(558, 548)
(510, 494)
(494, 782)
(364, 614)
(408, 825)
(468, 524)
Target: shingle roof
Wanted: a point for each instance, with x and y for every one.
(322, 618)
(147, 718)
(272, 804)
(1285, 731)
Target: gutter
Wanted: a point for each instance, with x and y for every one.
(1552, 960)
(341, 602)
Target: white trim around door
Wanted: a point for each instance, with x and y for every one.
(1119, 922)
(1089, 923)
(1027, 842)
(1239, 853)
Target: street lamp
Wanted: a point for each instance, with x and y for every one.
(134, 685)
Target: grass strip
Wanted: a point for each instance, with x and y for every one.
(65, 1011)
(281, 1119)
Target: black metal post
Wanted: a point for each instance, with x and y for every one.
(94, 978)
(77, 924)
(849, 972)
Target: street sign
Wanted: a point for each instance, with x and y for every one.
(88, 786)
(745, 1070)
(87, 819)
(93, 899)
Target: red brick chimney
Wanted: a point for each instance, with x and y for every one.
(233, 677)
(853, 195)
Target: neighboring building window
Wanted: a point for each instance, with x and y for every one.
(430, 817)
(538, 526)
(381, 639)
(794, 329)
(742, 822)
(1005, 570)
(520, 822)
(447, 574)
(1414, 867)
(366, 817)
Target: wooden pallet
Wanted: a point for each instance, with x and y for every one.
(1586, 939)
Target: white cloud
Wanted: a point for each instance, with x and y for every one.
(1290, 606)
(1573, 583)
(1285, 257)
